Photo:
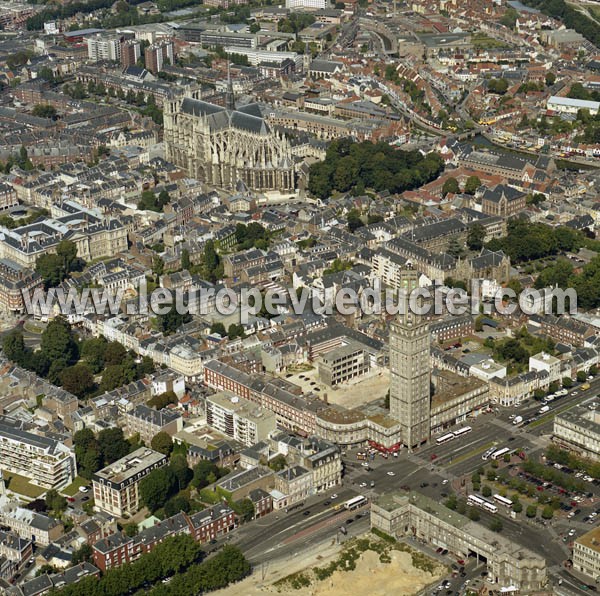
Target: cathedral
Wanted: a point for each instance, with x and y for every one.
(225, 145)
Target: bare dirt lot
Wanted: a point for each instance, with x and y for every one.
(388, 571)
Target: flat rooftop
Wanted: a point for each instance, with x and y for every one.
(130, 465)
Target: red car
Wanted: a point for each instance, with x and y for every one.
(433, 456)
(460, 561)
(71, 499)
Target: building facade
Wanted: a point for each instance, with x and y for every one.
(586, 554)
(410, 401)
(224, 145)
(426, 520)
(116, 487)
(46, 462)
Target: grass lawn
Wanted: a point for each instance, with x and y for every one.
(21, 485)
(73, 488)
(34, 327)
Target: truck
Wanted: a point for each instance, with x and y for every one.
(517, 420)
(544, 409)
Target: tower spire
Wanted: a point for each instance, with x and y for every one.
(229, 97)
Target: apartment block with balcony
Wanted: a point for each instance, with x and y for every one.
(45, 462)
(239, 418)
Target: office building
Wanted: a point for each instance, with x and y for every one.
(410, 401)
(116, 487)
(343, 364)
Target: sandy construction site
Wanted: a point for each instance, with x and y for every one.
(375, 574)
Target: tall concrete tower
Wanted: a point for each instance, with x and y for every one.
(410, 402)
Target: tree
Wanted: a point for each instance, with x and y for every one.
(158, 266)
(236, 330)
(55, 502)
(157, 487)
(180, 468)
(13, 345)
(57, 343)
(517, 507)
(550, 79)
(92, 352)
(211, 263)
(455, 248)
(486, 491)
(496, 525)
(531, 511)
(472, 184)
(163, 400)
(77, 380)
(112, 444)
(202, 470)
(547, 512)
(44, 110)
(50, 269)
(177, 504)
(131, 530)
(498, 86)
(185, 259)
(82, 554)
(114, 353)
(450, 186)
(581, 376)
(67, 252)
(162, 443)
(218, 328)
(245, 509)
(354, 220)
(451, 502)
(509, 18)
(473, 514)
(567, 382)
(278, 463)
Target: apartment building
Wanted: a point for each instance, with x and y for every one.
(546, 362)
(586, 554)
(239, 418)
(159, 55)
(130, 52)
(148, 422)
(118, 549)
(116, 487)
(578, 431)
(45, 462)
(16, 280)
(103, 47)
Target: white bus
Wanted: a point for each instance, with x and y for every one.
(445, 438)
(356, 502)
(462, 431)
(503, 500)
(477, 501)
(500, 453)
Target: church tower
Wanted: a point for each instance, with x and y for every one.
(410, 401)
(229, 96)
